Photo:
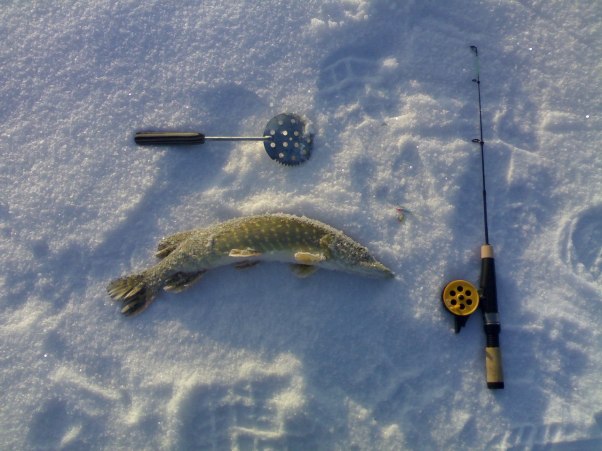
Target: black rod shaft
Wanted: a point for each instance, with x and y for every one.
(481, 142)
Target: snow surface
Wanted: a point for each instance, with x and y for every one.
(259, 359)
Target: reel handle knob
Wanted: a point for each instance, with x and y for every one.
(168, 138)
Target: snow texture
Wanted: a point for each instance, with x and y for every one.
(259, 359)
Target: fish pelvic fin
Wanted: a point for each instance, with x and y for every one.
(303, 271)
(309, 258)
(182, 280)
(169, 244)
(133, 292)
(246, 264)
(249, 252)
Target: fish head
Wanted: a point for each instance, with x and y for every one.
(347, 255)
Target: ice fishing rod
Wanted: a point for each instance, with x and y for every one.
(461, 298)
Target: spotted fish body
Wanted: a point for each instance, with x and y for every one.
(306, 243)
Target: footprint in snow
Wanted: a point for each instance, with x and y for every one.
(582, 250)
(248, 414)
(552, 436)
(353, 75)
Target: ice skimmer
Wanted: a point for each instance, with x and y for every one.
(285, 139)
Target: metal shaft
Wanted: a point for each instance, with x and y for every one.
(237, 138)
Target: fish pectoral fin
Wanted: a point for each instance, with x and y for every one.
(309, 258)
(248, 252)
(303, 271)
(182, 280)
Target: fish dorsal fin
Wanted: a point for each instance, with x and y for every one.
(303, 271)
(248, 252)
(309, 258)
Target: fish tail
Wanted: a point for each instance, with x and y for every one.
(133, 291)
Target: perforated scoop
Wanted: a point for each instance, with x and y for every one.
(285, 139)
(289, 143)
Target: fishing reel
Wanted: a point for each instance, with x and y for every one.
(461, 298)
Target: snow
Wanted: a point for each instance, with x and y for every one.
(259, 359)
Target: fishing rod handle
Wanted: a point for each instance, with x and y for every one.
(493, 368)
(168, 138)
(493, 355)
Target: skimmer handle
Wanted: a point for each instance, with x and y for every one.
(168, 138)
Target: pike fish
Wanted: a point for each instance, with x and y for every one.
(305, 243)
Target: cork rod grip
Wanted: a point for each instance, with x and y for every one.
(493, 368)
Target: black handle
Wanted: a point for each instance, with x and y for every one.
(491, 319)
(168, 138)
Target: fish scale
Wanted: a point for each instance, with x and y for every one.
(306, 243)
(265, 235)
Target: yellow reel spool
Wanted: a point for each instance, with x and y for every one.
(461, 297)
